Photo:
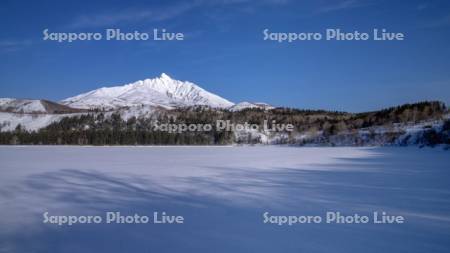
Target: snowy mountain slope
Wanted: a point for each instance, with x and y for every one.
(161, 91)
(21, 105)
(34, 106)
(141, 111)
(31, 114)
(29, 122)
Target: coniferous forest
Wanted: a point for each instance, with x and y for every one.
(110, 128)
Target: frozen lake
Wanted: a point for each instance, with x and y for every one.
(222, 194)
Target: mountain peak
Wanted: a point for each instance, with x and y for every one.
(165, 76)
(160, 91)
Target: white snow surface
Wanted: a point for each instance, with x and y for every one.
(22, 105)
(222, 193)
(160, 91)
(30, 122)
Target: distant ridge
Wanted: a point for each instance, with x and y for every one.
(34, 106)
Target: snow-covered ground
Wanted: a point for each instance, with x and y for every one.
(222, 193)
(22, 105)
(30, 122)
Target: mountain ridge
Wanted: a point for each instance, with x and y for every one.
(161, 91)
(34, 106)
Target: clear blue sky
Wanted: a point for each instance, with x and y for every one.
(224, 51)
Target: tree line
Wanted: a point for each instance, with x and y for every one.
(102, 128)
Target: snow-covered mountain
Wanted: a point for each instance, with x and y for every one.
(21, 105)
(32, 114)
(160, 91)
(33, 106)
